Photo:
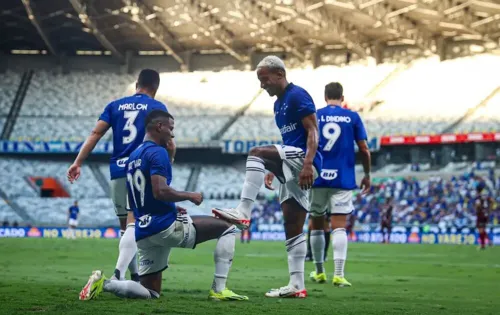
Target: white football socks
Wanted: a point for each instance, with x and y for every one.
(254, 179)
(129, 289)
(318, 249)
(297, 249)
(223, 258)
(339, 243)
(127, 251)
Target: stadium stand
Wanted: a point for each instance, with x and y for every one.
(432, 101)
(484, 119)
(17, 183)
(8, 214)
(9, 82)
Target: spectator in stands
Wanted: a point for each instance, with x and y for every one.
(5, 223)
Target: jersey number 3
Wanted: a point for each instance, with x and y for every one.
(331, 131)
(130, 116)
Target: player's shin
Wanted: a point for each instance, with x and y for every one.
(339, 244)
(127, 251)
(223, 258)
(318, 248)
(254, 179)
(296, 248)
(128, 289)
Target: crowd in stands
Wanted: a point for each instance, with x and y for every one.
(446, 202)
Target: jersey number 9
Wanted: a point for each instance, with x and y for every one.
(137, 182)
(331, 131)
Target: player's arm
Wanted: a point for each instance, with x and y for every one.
(306, 177)
(360, 137)
(96, 134)
(163, 192)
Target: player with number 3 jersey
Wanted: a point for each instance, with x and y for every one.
(126, 117)
(339, 128)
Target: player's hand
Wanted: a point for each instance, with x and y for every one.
(306, 176)
(196, 198)
(73, 173)
(181, 210)
(268, 181)
(365, 185)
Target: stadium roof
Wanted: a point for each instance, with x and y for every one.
(237, 27)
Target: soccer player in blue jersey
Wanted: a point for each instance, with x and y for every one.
(296, 164)
(339, 128)
(160, 225)
(73, 212)
(126, 118)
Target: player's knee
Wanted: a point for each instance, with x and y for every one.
(339, 221)
(318, 222)
(256, 151)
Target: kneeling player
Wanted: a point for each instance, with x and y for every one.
(339, 129)
(160, 226)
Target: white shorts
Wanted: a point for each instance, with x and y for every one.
(153, 252)
(73, 222)
(119, 196)
(330, 201)
(293, 161)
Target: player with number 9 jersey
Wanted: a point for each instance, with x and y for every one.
(338, 128)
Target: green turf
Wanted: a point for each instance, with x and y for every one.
(45, 276)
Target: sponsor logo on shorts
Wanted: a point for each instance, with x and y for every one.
(146, 262)
(342, 204)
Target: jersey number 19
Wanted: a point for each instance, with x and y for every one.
(137, 182)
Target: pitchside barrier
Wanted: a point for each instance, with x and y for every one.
(363, 233)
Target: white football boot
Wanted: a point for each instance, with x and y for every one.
(287, 292)
(232, 216)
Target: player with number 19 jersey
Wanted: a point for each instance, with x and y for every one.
(153, 216)
(126, 117)
(339, 128)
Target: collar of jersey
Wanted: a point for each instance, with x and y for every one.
(141, 94)
(288, 87)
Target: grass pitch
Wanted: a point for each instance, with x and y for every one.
(45, 276)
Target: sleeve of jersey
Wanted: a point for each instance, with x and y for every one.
(304, 104)
(106, 114)
(359, 130)
(159, 163)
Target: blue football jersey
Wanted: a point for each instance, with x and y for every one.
(73, 212)
(152, 215)
(127, 118)
(339, 128)
(289, 109)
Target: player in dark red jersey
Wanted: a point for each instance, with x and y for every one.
(351, 220)
(483, 208)
(386, 221)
